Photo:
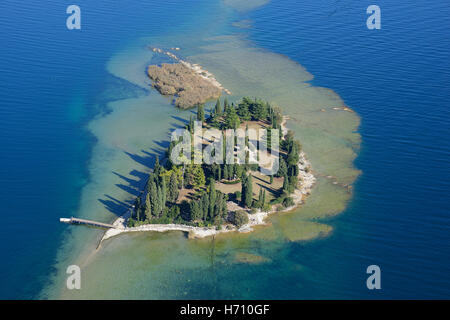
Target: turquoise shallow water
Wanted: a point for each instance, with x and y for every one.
(67, 147)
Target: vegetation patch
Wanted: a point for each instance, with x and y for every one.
(188, 88)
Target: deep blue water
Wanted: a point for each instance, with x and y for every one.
(396, 79)
(50, 82)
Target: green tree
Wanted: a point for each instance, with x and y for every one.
(225, 105)
(199, 176)
(225, 171)
(212, 198)
(137, 208)
(243, 111)
(195, 210)
(159, 202)
(147, 208)
(219, 173)
(190, 125)
(157, 168)
(231, 119)
(285, 184)
(201, 113)
(293, 181)
(293, 157)
(282, 170)
(240, 218)
(163, 192)
(173, 187)
(205, 206)
(288, 202)
(223, 206)
(247, 193)
(195, 175)
(218, 108)
(153, 198)
(238, 170)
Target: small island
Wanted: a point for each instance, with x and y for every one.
(205, 200)
(189, 84)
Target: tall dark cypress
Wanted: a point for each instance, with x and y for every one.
(200, 113)
(249, 192)
(212, 198)
(285, 183)
(173, 187)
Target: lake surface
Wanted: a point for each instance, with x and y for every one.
(80, 127)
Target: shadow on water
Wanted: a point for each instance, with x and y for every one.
(114, 205)
(182, 120)
(136, 180)
(134, 186)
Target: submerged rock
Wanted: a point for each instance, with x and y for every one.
(244, 257)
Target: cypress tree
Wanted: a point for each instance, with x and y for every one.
(163, 192)
(194, 207)
(246, 135)
(173, 187)
(157, 168)
(238, 170)
(200, 113)
(212, 198)
(160, 201)
(271, 179)
(218, 108)
(293, 157)
(283, 168)
(285, 183)
(224, 211)
(225, 171)
(191, 124)
(137, 208)
(225, 105)
(246, 194)
(205, 206)
(249, 192)
(224, 147)
(263, 199)
(147, 208)
(153, 196)
(200, 209)
(149, 181)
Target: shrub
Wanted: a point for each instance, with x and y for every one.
(230, 182)
(277, 200)
(130, 223)
(240, 218)
(288, 202)
(255, 204)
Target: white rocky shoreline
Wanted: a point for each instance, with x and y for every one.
(306, 179)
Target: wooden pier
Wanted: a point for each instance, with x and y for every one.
(92, 223)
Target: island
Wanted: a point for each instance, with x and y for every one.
(189, 84)
(189, 89)
(207, 199)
